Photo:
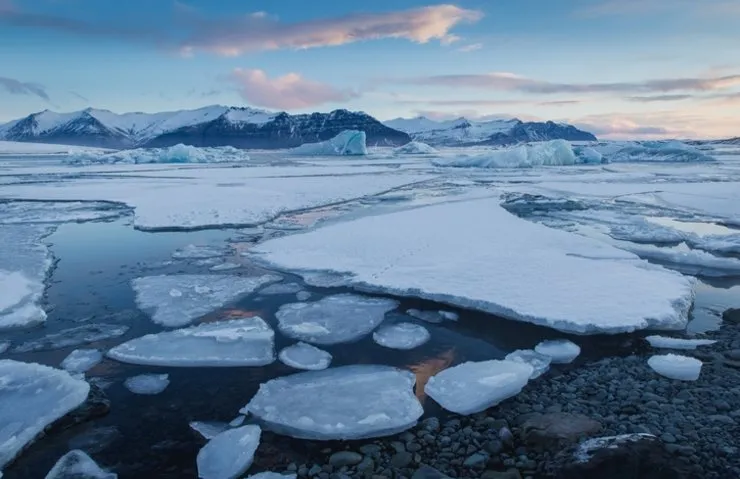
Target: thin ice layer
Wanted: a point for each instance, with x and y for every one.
(588, 287)
(148, 384)
(81, 360)
(78, 465)
(473, 387)
(178, 300)
(32, 397)
(401, 336)
(305, 356)
(674, 366)
(348, 402)
(229, 454)
(334, 319)
(239, 342)
(677, 343)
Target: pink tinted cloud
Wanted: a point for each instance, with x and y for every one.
(287, 92)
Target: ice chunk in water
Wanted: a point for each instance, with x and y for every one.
(281, 288)
(237, 421)
(348, 142)
(148, 384)
(225, 266)
(415, 148)
(209, 430)
(334, 319)
(272, 475)
(239, 342)
(177, 300)
(540, 363)
(88, 333)
(4, 346)
(32, 397)
(305, 356)
(229, 454)
(434, 317)
(302, 295)
(677, 343)
(78, 465)
(674, 366)
(81, 360)
(192, 251)
(562, 351)
(401, 336)
(473, 387)
(348, 402)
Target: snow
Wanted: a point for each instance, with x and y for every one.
(209, 430)
(548, 153)
(588, 287)
(249, 115)
(415, 148)
(33, 396)
(348, 402)
(348, 142)
(665, 342)
(674, 366)
(71, 337)
(340, 318)
(229, 454)
(148, 384)
(401, 336)
(17, 148)
(81, 360)
(540, 362)
(238, 342)
(473, 387)
(178, 300)
(560, 351)
(305, 356)
(173, 154)
(78, 465)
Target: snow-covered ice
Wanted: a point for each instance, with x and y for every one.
(281, 288)
(415, 148)
(302, 295)
(548, 153)
(348, 142)
(665, 342)
(540, 362)
(685, 259)
(209, 429)
(229, 454)
(348, 402)
(148, 384)
(340, 318)
(473, 387)
(305, 356)
(173, 154)
(78, 465)
(81, 360)
(32, 397)
(560, 351)
(401, 336)
(239, 342)
(674, 366)
(177, 300)
(76, 336)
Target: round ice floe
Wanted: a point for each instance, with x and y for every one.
(81, 360)
(348, 402)
(148, 384)
(229, 454)
(305, 356)
(401, 336)
(540, 363)
(674, 366)
(562, 351)
(665, 342)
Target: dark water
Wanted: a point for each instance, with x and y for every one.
(149, 436)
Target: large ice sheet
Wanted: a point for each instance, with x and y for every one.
(334, 319)
(305, 356)
(401, 336)
(177, 300)
(173, 154)
(349, 402)
(476, 255)
(472, 387)
(547, 153)
(239, 342)
(685, 259)
(32, 397)
(78, 465)
(348, 142)
(229, 454)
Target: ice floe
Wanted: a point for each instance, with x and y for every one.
(229, 454)
(547, 153)
(76, 336)
(685, 259)
(193, 251)
(173, 154)
(148, 384)
(473, 387)
(401, 336)
(78, 465)
(659, 151)
(540, 362)
(48, 212)
(209, 429)
(334, 319)
(81, 360)
(281, 288)
(177, 300)
(560, 351)
(348, 402)
(348, 142)
(239, 342)
(434, 317)
(665, 342)
(33, 396)
(674, 366)
(305, 356)
(415, 148)
(4, 346)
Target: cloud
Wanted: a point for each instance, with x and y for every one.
(470, 48)
(16, 87)
(658, 98)
(78, 96)
(287, 92)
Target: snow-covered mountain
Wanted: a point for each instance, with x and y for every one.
(464, 132)
(209, 126)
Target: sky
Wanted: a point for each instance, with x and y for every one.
(618, 68)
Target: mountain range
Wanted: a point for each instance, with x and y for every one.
(245, 127)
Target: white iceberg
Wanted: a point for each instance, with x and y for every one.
(548, 153)
(148, 384)
(209, 430)
(415, 148)
(540, 362)
(340, 318)
(78, 465)
(229, 454)
(348, 142)
(665, 342)
(239, 342)
(348, 402)
(305, 356)
(81, 360)
(560, 351)
(473, 387)
(674, 366)
(173, 154)
(177, 300)
(71, 337)
(401, 336)
(33, 397)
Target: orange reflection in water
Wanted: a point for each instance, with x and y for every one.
(428, 368)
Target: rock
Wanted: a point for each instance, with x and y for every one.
(733, 354)
(555, 428)
(367, 465)
(732, 316)
(370, 449)
(668, 438)
(345, 458)
(721, 418)
(507, 438)
(476, 460)
(431, 424)
(413, 447)
(509, 474)
(428, 472)
(401, 459)
(493, 447)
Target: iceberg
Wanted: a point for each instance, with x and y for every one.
(657, 151)
(473, 387)
(540, 362)
(209, 430)
(239, 342)
(560, 351)
(348, 142)
(71, 337)
(664, 342)
(548, 153)
(415, 148)
(174, 154)
(305, 356)
(81, 360)
(587, 155)
(33, 397)
(340, 318)
(674, 366)
(229, 454)
(347, 403)
(177, 300)
(78, 465)
(401, 336)
(149, 384)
